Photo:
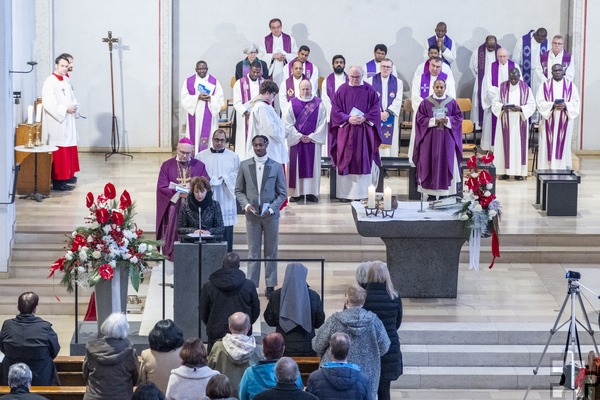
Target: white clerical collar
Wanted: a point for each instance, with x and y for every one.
(438, 98)
(306, 100)
(202, 79)
(384, 78)
(250, 79)
(299, 79)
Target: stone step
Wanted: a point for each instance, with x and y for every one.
(451, 377)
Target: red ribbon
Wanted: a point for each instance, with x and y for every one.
(495, 248)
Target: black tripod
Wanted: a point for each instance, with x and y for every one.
(572, 337)
(115, 143)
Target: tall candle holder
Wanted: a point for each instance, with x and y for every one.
(29, 144)
(38, 134)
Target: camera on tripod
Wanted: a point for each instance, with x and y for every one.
(573, 275)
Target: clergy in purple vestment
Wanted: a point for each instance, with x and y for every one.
(355, 136)
(438, 143)
(176, 170)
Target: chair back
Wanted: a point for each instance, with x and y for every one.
(232, 81)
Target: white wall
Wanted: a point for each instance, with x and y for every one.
(589, 137)
(79, 26)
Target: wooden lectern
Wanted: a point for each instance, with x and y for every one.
(26, 181)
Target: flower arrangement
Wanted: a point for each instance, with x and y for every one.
(480, 208)
(110, 240)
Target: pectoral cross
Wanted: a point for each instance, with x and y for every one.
(184, 180)
(63, 90)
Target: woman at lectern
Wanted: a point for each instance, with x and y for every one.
(200, 204)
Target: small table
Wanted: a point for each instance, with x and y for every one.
(559, 194)
(35, 150)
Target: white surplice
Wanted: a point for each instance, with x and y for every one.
(490, 57)
(283, 101)
(195, 107)
(538, 72)
(314, 78)
(394, 108)
(265, 121)
(240, 108)
(58, 128)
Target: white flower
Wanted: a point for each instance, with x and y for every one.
(74, 233)
(487, 193)
(134, 260)
(106, 229)
(80, 270)
(69, 255)
(489, 186)
(126, 256)
(96, 254)
(142, 248)
(83, 255)
(464, 217)
(492, 213)
(125, 242)
(474, 174)
(150, 247)
(90, 239)
(129, 234)
(94, 225)
(477, 208)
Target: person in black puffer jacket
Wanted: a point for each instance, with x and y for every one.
(385, 302)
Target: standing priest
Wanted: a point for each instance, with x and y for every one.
(305, 123)
(355, 137)
(438, 143)
(244, 90)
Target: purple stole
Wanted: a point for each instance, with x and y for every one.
(206, 122)
(330, 84)
(371, 68)
(494, 71)
(526, 55)
(308, 68)
(290, 90)
(387, 129)
(426, 82)
(287, 43)
(563, 119)
(566, 61)
(504, 121)
(480, 73)
(247, 94)
(432, 41)
(302, 155)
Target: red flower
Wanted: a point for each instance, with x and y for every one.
(106, 271)
(117, 218)
(488, 158)
(472, 183)
(139, 232)
(109, 191)
(58, 264)
(102, 215)
(472, 162)
(484, 177)
(78, 242)
(89, 199)
(485, 201)
(125, 200)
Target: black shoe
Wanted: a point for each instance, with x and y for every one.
(269, 291)
(63, 187)
(503, 177)
(345, 200)
(72, 180)
(312, 198)
(518, 178)
(295, 199)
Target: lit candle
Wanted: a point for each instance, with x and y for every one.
(387, 198)
(38, 113)
(30, 115)
(371, 198)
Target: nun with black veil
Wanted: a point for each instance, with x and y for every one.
(295, 311)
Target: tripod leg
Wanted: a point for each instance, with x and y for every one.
(552, 332)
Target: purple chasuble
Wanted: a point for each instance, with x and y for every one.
(566, 61)
(426, 82)
(355, 147)
(505, 123)
(387, 127)
(526, 55)
(206, 121)
(290, 89)
(302, 155)
(437, 149)
(166, 226)
(495, 67)
(330, 84)
(371, 68)
(287, 43)
(481, 72)
(432, 41)
(563, 118)
(307, 67)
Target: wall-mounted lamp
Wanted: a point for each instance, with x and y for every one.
(32, 64)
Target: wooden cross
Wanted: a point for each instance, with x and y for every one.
(110, 40)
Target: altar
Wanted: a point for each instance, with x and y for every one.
(423, 248)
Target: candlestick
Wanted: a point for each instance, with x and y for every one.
(387, 198)
(29, 115)
(38, 113)
(371, 198)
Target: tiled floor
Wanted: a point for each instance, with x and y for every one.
(510, 293)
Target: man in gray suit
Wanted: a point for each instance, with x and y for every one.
(261, 190)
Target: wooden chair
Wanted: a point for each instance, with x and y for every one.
(407, 111)
(321, 79)
(467, 125)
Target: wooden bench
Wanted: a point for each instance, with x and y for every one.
(53, 392)
(306, 365)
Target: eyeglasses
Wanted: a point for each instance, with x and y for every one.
(355, 76)
(218, 140)
(558, 43)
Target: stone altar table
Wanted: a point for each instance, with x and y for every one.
(423, 249)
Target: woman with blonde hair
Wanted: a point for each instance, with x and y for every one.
(383, 300)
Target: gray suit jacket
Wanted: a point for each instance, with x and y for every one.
(272, 190)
